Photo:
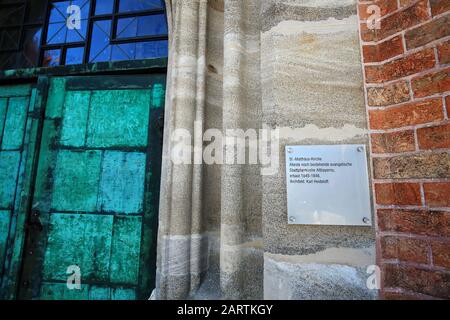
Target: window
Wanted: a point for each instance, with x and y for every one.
(64, 32)
(20, 32)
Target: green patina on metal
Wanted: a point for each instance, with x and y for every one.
(9, 169)
(81, 185)
(5, 221)
(109, 67)
(15, 128)
(97, 189)
(118, 118)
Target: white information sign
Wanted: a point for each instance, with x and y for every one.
(328, 185)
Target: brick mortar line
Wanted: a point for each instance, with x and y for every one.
(422, 195)
(416, 140)
(370, 162)
(413, 236)
(436, 56)
(430, 13)
(410, 207)
(416, 180)
(410, 153)
(446, 110)
(430, 19)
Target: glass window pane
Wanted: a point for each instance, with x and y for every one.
(124, 51)
(31, 44)
(58, 11)
(100, 49)
(74, 55)
(4, 61)
(138, 5)
(76, 35)
(142, 26)
(151, 49)
(152, 25)
(36, 10)
(15, 61)
(9, 39)
(51, 58)
(56, 33)
(104, 7)
(84, 7)
(126, 28)
(11, 15)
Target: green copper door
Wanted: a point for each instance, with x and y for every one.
(16, 127)
(91, 230)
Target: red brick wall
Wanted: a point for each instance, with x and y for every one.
(407, 83)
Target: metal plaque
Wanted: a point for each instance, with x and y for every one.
(328, 185)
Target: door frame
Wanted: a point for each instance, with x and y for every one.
(39, 78)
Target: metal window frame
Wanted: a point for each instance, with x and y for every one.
(92, 18)
(114, 17)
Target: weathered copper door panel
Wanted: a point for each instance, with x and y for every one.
(97, 188)
(18, 128)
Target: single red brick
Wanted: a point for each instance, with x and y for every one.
(398, 194)
(421, 222)
(386, 7)
(437, 194)
(401, 67)
(393, 142)
(429, 282)
(393, 93)
(441, 253)
(401, 20)
(444, 52)
(404, 249)
(432, 83)
(428, 32)
(423, 165)
(439, 6)
(407, 114)
(434, 137)
(384, 50)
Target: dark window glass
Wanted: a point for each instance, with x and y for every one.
(51, 58)
(10, 38)
(139, 5)
(36, 11)
(31, 43)
(11, 14)
(104, 7)
(74, 55)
